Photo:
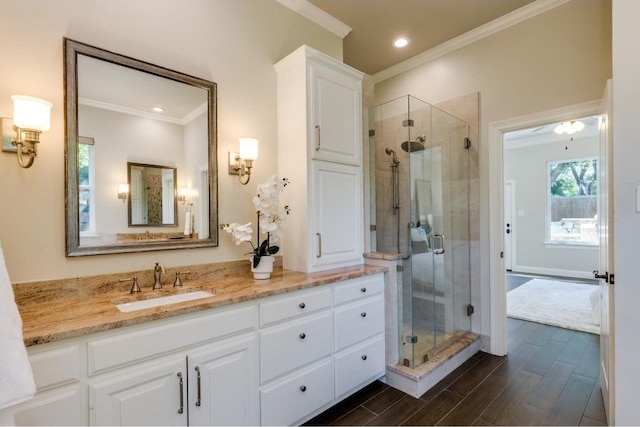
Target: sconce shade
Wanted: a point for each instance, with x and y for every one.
(249, 148)
(123, 189)
(31, 113)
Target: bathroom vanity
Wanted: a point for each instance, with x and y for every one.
(271, 352)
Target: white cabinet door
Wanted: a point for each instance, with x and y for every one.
(59, 407)
(337, 217)
(337, 114)
(152, 395)
(223, 383)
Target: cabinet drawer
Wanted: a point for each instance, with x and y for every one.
(358, 288)
(294, 344)
(130, 347)
(285, 402)
(299, 303)
(356, 322)
(356, 366)
(52, 368)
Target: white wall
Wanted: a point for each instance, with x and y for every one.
(528, 167)
(558, 58)
(626, 177)
(233, 43)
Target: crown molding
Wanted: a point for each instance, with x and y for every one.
(317, 15)
(135, 112)
(499, 24)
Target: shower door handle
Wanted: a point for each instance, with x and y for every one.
(441, 250)
(317, 137)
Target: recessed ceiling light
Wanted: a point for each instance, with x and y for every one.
(401, 42)
(158, 109)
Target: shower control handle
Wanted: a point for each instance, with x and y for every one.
(441, 250)
(317, 137)
(319, 255)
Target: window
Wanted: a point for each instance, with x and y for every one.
(86, 183)
(573, 201)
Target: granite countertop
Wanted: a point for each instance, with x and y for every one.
(73, 314)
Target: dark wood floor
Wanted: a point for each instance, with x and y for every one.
(549, 377)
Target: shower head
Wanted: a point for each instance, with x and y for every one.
(414, 146)
(389, 151)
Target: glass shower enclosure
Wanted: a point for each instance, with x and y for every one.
(419, 183)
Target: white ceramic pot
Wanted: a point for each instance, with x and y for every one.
(264, 268)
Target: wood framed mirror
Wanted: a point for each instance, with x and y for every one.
(113, 119)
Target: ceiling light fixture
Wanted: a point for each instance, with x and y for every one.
(569, 127)
(158, 109)
(401, 42)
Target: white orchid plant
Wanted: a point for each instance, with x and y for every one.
(271, 219)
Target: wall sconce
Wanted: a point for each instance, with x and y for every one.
(183, 194)
(123, 192)
(241, 163)
(31, 116)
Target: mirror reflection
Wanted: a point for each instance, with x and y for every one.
(130, 122)
(152, 195)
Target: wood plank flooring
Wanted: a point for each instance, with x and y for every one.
(549, 377)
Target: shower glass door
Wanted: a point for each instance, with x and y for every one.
(419, 193)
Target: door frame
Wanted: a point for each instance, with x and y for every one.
(511, 255)
(497, 275)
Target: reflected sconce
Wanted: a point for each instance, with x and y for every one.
(183, 194)
(241, 163)
(31, 117)
(123, 192)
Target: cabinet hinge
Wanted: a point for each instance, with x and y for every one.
(467, 143)
(501, 254)
(407, 123)
(470, 309)
(399, 268)
(612, 279)
(372, 227)
(412, 339)
(372, 132)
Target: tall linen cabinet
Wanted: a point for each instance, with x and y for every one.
(320, 152)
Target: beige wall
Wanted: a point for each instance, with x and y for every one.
(558, 58)
(527, 166)
(234, 43)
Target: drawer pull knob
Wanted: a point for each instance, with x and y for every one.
(364, 357)
(302, 305)
(363, 314)
(363, 289)
(303, 388)
(302, 336)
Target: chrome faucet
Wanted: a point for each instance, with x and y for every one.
(134, 288)
(157, 274)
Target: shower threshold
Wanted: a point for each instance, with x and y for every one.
(416, 381)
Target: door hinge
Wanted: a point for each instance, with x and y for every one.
(412, 339)
(470, 309)
(467, 143)
(407, 123)
(372, 132)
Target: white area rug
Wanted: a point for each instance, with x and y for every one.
(556, 303)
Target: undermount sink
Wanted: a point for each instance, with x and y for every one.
(160, 301)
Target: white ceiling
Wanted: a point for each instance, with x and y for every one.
(114, 87)
(427, 24)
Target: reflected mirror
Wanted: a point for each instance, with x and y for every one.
(152, 195)
(131, 122)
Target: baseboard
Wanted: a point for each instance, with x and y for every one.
(552, 272)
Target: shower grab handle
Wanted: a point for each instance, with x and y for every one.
(317, 137)
(441, 250)
(319, 255)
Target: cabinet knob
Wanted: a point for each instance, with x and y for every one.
(363, 314)
(302, 305)
(302, 336)
(364, 357)
(303, 388)
(363, 289)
